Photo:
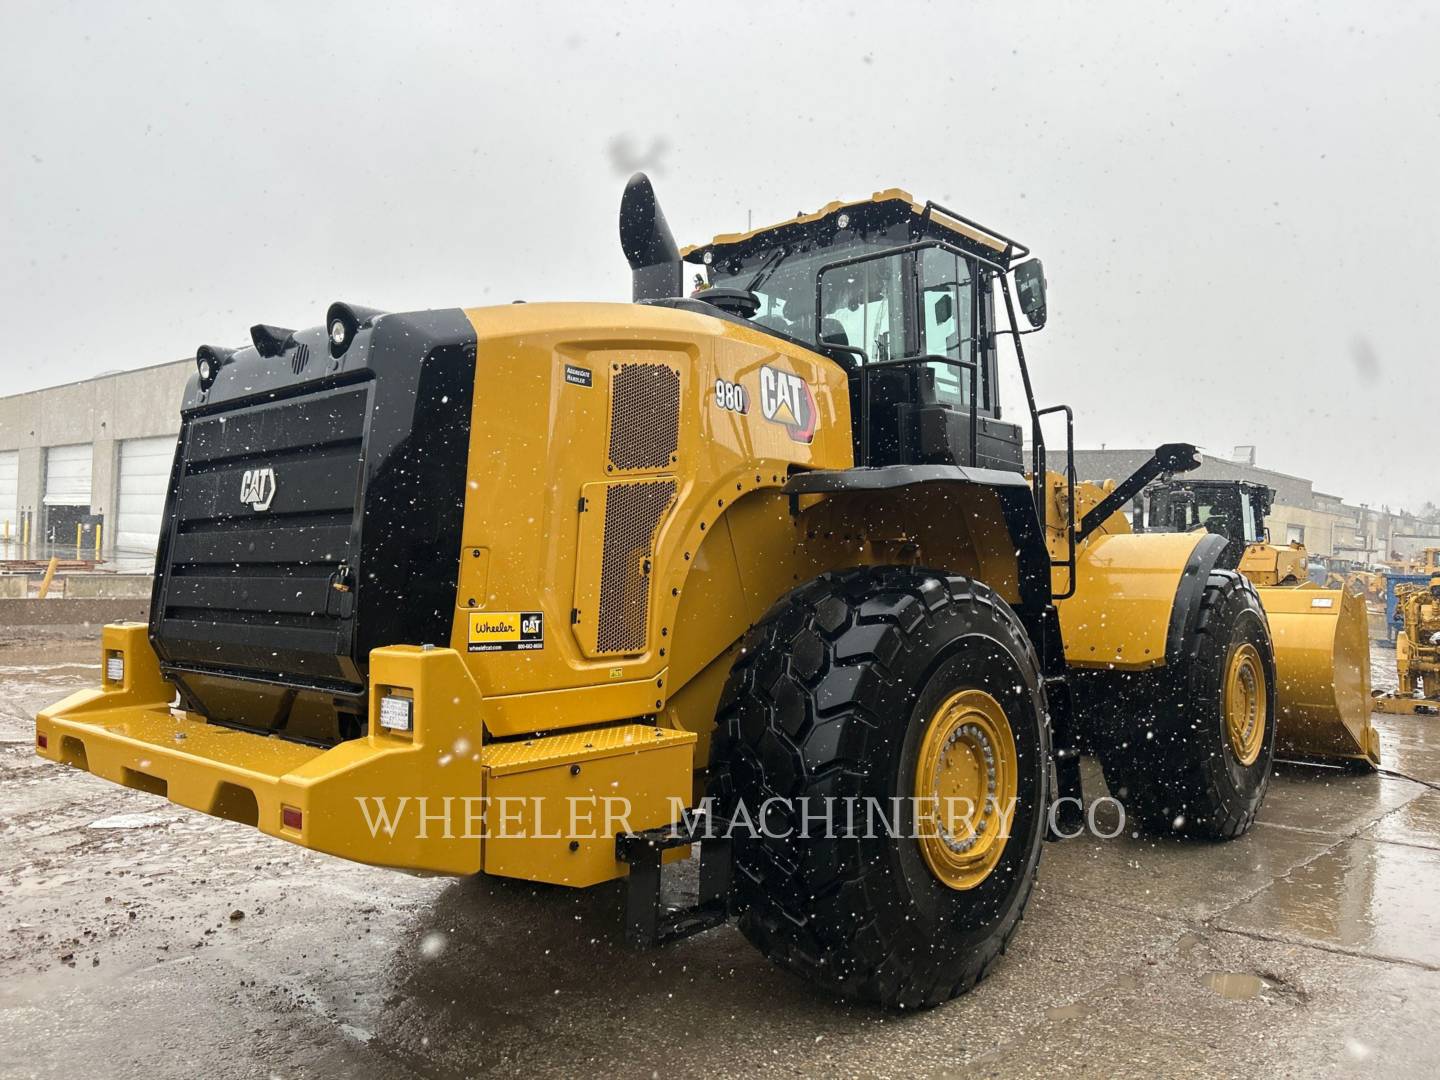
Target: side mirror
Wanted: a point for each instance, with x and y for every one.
(1030, 284)
(944, 309)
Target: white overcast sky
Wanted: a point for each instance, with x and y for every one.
(1236, 205)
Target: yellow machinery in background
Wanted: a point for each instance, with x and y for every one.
(1322, 642)
(1417, 647)
(1424, 561)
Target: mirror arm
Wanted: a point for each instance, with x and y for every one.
(1037, 437)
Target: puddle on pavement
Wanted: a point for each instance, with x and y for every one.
(1234, 985)
(1375, 898)
(1067, 1012)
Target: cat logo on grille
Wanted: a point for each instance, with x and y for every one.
(787, 399)
(257, 488)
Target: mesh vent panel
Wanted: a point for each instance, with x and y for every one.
(644, 416)
(632, 514)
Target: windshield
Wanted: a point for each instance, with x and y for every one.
(785, 285)
(916, 303)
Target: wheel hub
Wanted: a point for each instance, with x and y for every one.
(1245, 703)
(965, 785)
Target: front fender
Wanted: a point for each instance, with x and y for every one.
(1135, 597)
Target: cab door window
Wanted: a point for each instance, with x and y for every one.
(863, 306)
(947, 323)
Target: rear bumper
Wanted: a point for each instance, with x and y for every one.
(436, 800)
(127, 733)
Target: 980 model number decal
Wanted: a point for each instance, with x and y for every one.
(731, 396)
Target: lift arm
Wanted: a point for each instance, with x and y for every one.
(1169, 458)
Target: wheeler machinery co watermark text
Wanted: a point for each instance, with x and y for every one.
(603, 817)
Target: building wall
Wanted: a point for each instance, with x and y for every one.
(102, 412)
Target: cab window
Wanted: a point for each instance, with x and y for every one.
(1252, 528)
(947, 305)
(863, 306)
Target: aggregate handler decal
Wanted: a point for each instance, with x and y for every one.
(506, 631)
(787, 399)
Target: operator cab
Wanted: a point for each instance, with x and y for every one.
(1234, 509)
(900, 295)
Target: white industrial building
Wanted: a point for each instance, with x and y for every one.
(91, 457)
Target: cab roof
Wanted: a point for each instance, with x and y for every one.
(881, 210)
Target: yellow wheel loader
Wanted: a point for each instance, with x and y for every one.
(558, 591)
(1321, 635)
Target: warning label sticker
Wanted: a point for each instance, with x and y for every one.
(506, 631)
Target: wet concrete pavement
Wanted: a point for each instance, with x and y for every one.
(139, 939)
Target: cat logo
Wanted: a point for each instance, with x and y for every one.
(787, 399)
(257, 487)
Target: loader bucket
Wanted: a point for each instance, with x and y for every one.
(1322, 667)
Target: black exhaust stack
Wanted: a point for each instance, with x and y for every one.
(655, 267)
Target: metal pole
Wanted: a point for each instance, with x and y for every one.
(49, 576)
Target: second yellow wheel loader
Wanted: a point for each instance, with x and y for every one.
(1321, 635)
(508, 590)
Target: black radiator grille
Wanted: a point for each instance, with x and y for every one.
(260, 559)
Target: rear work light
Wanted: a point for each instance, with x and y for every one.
(115, 667)
(397, 713)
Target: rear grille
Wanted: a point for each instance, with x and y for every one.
(644, 416)
(299, 358)
(632, 514)
(263, 528)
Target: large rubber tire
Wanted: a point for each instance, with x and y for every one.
(1161, 737)
(828, 699)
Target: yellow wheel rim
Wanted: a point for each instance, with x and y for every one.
(1245, 703)
(965, 785)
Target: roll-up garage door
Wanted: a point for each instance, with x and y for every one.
(67, 476)
(10, 491)
(144, 476)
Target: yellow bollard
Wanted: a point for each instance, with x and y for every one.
(98, 527)
(79, 531)
(25, 530)
(49, 576)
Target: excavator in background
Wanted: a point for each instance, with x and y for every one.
(1322, 647)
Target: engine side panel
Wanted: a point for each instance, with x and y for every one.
(607, 442)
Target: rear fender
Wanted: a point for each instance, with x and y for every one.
(980, 523)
